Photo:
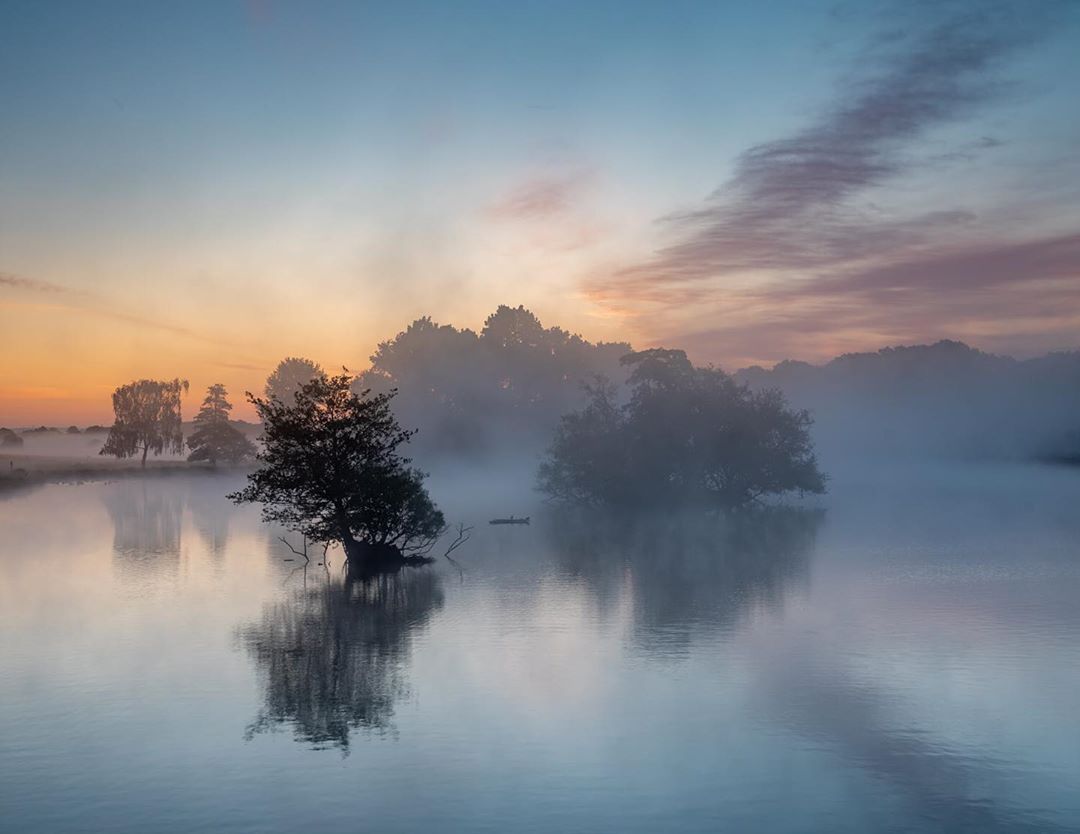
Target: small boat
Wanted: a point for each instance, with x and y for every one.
(510, 520)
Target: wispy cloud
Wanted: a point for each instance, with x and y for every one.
(799, 208)
(96, 305)
(790, 201)
(1009, 297)
(20, 283)
(541, 196)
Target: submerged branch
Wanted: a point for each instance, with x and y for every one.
(462, 537)
(304, 553)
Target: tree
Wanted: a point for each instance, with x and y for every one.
(291, 374)
(147, 419)
(504, 388)
(687, 435)
(214, 439)
(9, 439)
(330, 470)
(510, 327)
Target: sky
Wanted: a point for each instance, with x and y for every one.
(200, 189)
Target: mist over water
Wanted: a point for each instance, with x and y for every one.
(899, 655)
(482, 418)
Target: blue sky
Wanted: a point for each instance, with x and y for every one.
(210, 186)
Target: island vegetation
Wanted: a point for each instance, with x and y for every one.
(611, 427)
(331, 470)
(687, 436)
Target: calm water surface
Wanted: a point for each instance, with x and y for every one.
(905, 659)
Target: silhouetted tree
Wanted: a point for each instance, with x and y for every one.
(9, 439)
(508, 385)
(147, 419)
(686, 435)
(291, 374)
(73, 430)
(214, 439)
(330, 470)
(510, 327)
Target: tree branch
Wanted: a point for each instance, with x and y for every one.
(462, 537)
(303, 553)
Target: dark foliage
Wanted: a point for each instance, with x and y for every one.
(505, 387)
(687, 435)
(148, 419)
(331, 471)
(214, 439)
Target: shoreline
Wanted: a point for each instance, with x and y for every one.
(28, 471)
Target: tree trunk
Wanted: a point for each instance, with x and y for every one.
(145, 449)
(366, 560)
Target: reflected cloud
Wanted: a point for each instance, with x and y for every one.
(958, 789)
(333, 659)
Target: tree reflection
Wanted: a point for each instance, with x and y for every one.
(333, 659)
(210, 514)
(686, 570)
(147, 523)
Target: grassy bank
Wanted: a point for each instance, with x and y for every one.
(20, 471)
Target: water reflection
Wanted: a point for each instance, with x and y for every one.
(956, 787)
(687, 571)
(147, 523)
(333, 657)
(210, 513)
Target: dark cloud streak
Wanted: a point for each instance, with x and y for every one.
(789, 203)
(19, 283)
(802, 207)
(94, 304)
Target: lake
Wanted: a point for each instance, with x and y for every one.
(904, 655)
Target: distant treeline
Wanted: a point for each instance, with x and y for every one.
(502, 389)
(941, 400)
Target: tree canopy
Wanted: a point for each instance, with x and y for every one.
(291, 374)
(148, 419)
(686, 435)
(470, 392)
(330, 469)
(214, 439)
